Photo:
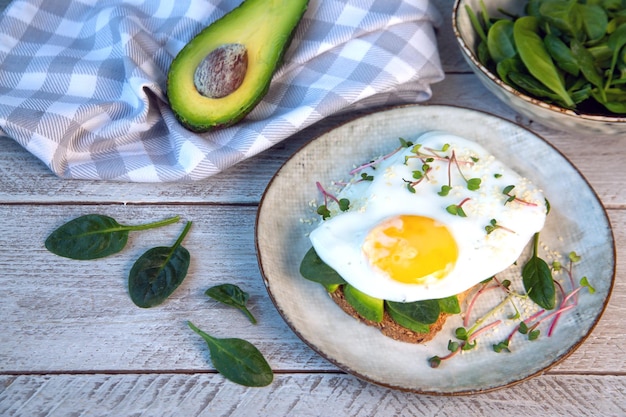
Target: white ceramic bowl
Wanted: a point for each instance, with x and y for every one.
(547, 114)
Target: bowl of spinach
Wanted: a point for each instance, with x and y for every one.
(562, 63)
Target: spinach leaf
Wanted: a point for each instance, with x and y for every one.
(531, 85)
(587, 65)
(233, 296)
(476, 23)
(450, 305)
(158, 272)
(594, 20)
(537, 279)
(508, 66)
(536, 58)
(416, 316)
(562, 55)
(616, 42)
(94, 236)
(314, 269)
(563, 15)
(237, 360)
(500, 41)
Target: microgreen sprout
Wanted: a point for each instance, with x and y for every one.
(430, 156)
(457, 209)
(322, 210)
(445, 190)
(502, 346)
(473, 184)
(418, 177)
(512, 197)
(584, 282)
(532, 332)
(366, 177)
(403, 145)
(493, 225)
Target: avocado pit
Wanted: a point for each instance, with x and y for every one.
(222, 71)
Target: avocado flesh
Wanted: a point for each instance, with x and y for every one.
(265, 29)
(369, 307)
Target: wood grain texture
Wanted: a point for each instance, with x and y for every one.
(204, 394)
(72, 343)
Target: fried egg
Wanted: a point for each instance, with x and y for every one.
(429, 221)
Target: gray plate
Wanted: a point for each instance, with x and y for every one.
(577, 222)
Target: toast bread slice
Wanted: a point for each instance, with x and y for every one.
(388, 326)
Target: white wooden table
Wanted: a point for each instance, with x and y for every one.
(72, 343)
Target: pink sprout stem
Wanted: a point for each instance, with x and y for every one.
(326, 194)
(483, 330)
(376, 161)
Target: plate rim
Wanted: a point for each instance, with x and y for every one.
(346, 368)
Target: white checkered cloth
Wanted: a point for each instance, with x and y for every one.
(82, 82)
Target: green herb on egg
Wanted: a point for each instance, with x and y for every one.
(323, 210)
(457, 209)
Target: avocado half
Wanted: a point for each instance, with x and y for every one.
(223, 72)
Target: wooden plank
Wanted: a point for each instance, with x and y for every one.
(61, 315)
(296, 395)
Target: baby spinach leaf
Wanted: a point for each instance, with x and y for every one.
(594, 20)
(450, 305)
(508, 66)
(563, 15)
(562, 55)
(500, 41)
(237, 360)
(537, 279)
(587, 65)
(233, 296)
(525, 82)
(158, 272)
(616, 42)
(478, 27)
(416, 316)
(94, 236)
(536, 58)
(314, 269)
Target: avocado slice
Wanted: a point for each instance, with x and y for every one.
(223, 72)
(369, 307)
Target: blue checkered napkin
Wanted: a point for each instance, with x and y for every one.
(82, 82)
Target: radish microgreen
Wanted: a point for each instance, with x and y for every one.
(493, 225)
(403, 145)
(584, 282)
(472, 184)
(457, 209)
(323, 210)
(366, 177)
(445, 190)
(512, 197)
(529, 327)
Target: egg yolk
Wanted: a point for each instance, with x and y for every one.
(411, 249)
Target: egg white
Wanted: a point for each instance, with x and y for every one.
(338, 240)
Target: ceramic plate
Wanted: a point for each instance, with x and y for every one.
(577, 222)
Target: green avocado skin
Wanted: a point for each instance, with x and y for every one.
(265, 28)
